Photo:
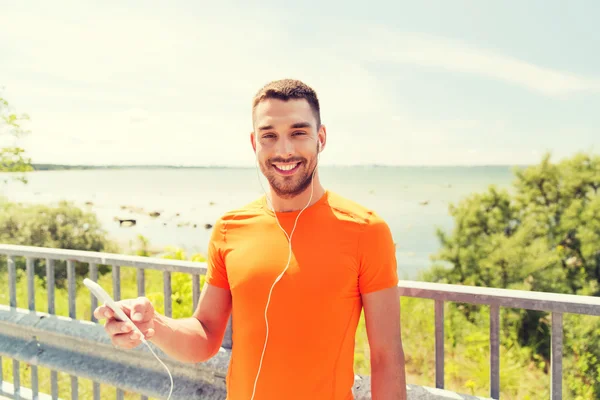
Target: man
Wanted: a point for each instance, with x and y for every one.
(295, 308)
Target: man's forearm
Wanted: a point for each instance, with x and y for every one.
(388, 379)
(185, 340)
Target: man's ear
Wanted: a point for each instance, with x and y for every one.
(253, 141)
(322, 137)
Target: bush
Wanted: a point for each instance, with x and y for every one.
(64, 226)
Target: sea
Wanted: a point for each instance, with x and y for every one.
(177, 206)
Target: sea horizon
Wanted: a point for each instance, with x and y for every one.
(43, 166)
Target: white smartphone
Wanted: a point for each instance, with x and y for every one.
(105, 298)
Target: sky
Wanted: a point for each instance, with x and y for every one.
(400, 82)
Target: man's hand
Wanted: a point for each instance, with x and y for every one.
(122, 334)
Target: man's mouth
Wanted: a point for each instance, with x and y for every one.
(287, 168)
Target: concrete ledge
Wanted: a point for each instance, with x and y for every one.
(82, 349)
(362, 391)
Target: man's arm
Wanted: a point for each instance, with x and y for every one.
(198, 338)
(382, 317)
(194, 339)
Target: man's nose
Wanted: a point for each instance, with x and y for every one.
(285, 148)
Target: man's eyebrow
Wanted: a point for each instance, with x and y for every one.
(300, 125)
(265, 127)
(296, 125)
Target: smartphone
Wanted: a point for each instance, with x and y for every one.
(105, 298)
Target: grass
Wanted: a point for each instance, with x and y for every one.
(466, 343)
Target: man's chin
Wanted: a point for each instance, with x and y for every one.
(288, 191)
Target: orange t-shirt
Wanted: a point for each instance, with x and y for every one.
(340, 251)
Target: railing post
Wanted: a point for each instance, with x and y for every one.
(195, 291)
(439, 344)
(50, 285)
(141, 282)
(30, 284)
(31, 304)
(495, 351)
(93, 299)
(16, 378)
(556, 356)
(228, 338)
(116, 282)
(167, 293)
(12, 281)
(71, 285)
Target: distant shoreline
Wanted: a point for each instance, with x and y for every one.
(65, 167)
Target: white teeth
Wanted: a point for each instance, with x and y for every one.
(286, 167)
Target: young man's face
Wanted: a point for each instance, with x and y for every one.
(285, 140)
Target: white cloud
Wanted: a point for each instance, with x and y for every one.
(385, 46)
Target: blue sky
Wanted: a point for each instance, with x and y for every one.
(402, 83)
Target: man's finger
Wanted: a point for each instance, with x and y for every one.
(103, 312)
(141, 310)
(124, 341)
(114, 327)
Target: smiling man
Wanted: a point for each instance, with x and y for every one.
(295, 268)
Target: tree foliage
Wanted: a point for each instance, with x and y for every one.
(64, 226)
(12, 158)
(542, 234)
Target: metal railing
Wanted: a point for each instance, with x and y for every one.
(557, 304)
(93, 259)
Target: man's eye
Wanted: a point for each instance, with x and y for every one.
(299, 133)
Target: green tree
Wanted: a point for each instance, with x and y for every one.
(12, 158)
(542, 234)
(64, 226)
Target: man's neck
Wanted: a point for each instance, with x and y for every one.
(299, 202)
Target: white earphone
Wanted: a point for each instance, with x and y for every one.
(289, 237)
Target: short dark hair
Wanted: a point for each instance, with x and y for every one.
(285, 89)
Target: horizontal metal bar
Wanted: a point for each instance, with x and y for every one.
(191, 267)
(552, 302)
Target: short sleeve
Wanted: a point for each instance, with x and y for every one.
(377, 256)
(216, 273)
